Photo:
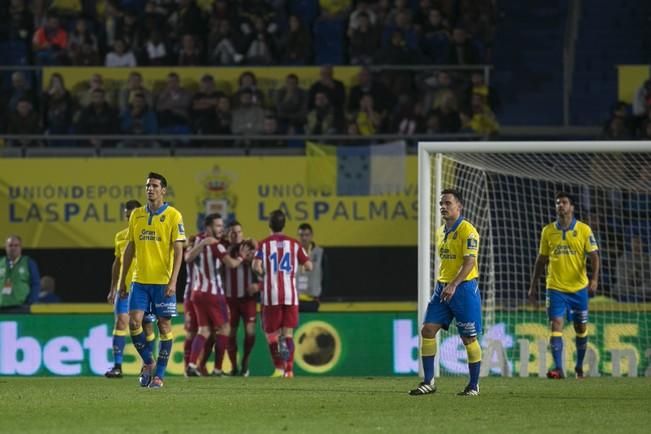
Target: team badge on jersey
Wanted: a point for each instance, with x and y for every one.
(162, 218)
(181, 229)
(593, 242)
(471, 243)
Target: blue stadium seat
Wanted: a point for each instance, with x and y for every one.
(329, 42)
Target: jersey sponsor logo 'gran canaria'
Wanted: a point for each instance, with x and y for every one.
(146, 235)
(563, 250)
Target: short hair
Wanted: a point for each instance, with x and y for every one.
(14, 237)
(563, 194)
(455, 193)
(235, 223)
(211, 218)
(277, 220)
(305, 227)
(161, 178)
(132, 204)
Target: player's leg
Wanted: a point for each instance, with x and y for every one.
(579, 308)
(556, 312)
(466, 307)
(222, 329)
(148, 321)
(249, 317)
(233, 307)
(437, 316)
(120, 332)
(139, 301)
(286, 346)
(271, 324)
(164, 308)
(190, 325)
(204, 331)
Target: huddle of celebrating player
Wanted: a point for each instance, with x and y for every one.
(224, 274)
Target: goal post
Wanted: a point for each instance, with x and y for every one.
(509, 192)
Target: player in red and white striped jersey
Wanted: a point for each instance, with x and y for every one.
(240, 289)
(276, 261)
(190, 323)
(209, 256)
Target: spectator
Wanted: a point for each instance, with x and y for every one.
(364, 41)
(481, 120)
(633, 273)
(369, 121)
(204, 104)
(642, 99)
(270, 129)
(47, 294)
(19, 276)
(433, 124)
(462, 51)
(310, 284)
(439, 88)
(19, 90)
(134, 85)
(291, 104)
(323, 118)
(98, 118)
(121, 56)
(401, 24)
(298, 45)
(362, 8)
(49, 42)
(397, 53)
(224, 117)
(477, 86)
(21, 19)
(24, 121)
(619, 115)
(260, 47)
(435, 37)
(421, 17)
(248, 82)
(224, 49)
(400, 7)
(334, 90)
(408, 118)
(334, 9)
(248, 118)
(382, 96)
(190, 53)
(155, 50)
(188, 19)
(138, 119)
(173, 105)
(132, 33)
(58, 106)
(81, 42)
(96, 81)
(448, 115)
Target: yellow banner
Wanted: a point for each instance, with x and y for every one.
(630, 78)
(76, 202)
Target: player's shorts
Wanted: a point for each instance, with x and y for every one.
(464, 307)
(278, 316)
(121, 305)
(191, 324)
(151, 298)
(573, 305)
(244, 308)
(211, 310)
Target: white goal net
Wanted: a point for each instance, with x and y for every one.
(509, 189)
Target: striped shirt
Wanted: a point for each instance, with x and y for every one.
(206, 276)
(280, 256)
(237, 280)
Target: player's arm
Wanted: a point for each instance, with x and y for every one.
(194, 251)
(115, 278)
(127, 259)
(464, 271)
(176, 268)
(538, 271)
(304, 260)
(256, 266)
(595, 265)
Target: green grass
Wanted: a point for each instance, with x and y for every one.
(323, 405)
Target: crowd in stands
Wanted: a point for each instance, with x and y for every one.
(131, 33)
(631, 121)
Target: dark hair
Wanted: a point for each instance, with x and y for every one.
(132, 204)
(292, 76)
(455, 193)
(211, 218)
(277, 220)
(161, 178)
(305, 227)
(562, 194)
(234, 223)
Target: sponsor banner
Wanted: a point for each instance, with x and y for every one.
(342, 344)
(630, 79)
(77, 202)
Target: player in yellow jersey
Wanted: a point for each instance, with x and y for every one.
(156, 237)
(564, 246)
(456, 295)
(121, 305)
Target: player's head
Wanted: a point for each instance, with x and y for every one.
(564, 204)
(156, 186)
(129, 207)
(235, 234)
(451, 204)
(214, 225)
(277, 221)
(13, 246)
(305, 234)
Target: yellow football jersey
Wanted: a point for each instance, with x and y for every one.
(567, 250)
(154, 235)
(461, 240)
(121, 241)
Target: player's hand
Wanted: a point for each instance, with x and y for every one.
(111, 296)
(533, 296)
(209, 241)
(123, 291)
(448, 292)
(592, 288)
(171, 289)
(253, 289)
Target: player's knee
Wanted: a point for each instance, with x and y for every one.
(467, 340)
(204, 331)
(428, 331)
(122, 322)
(224, 330)
(135, 323)
(557, 324)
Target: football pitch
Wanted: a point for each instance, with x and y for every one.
(324, 405)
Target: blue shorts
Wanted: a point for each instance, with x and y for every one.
(121, 305)
(573, 305)
(464, 306)
(152, 298)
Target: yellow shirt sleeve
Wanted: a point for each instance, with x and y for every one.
(178, 230)
(590, 241)
(132, 219)
(544, 244)
(471, 244)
